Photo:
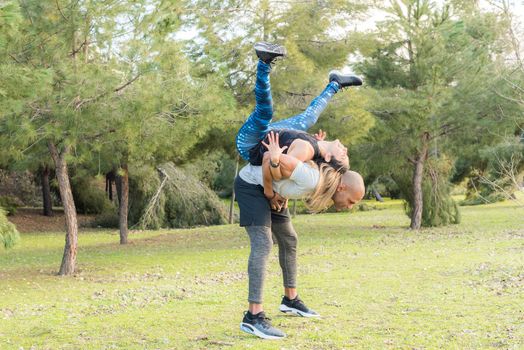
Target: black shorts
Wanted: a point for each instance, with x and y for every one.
(254, 206)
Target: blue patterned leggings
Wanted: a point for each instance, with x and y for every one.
(258, 124)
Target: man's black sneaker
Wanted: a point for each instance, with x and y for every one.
(344, 80)
(260, 326)
(268, 52)
(296, 307)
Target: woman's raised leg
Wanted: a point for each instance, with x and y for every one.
(309, 117)
(256, 126)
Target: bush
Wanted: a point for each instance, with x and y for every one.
(9, 204)
(438, 207)
(172, 198)
(385, 186)
(108, 219)
(89, 198)
(223, 182)
(478, 198)
(143, 183)
(8, 233)
(22, 186)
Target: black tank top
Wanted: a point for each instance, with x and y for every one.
(286, 138)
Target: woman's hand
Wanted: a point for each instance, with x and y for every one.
(320, 135)
(273, 147)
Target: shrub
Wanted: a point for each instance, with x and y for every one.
(223, 182)
(88, 197)
(107, 219)
(8, 233)
(22, 186)
(478, 198)
(9, 204)
(170, 197)
(438, 207)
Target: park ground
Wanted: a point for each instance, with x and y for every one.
(377, 285)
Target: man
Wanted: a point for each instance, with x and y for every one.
(260, 221)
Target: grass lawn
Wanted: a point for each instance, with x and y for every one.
(377, 285)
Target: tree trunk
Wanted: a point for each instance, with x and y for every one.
(118, 185)
(377, 196)
(110, 179)
(46, 192)
(418, 173)
(232, 205)
(123, 204)
(71, 242)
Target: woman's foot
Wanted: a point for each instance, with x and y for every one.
(260, 326)
(296, 307)
(268, 52)
(344, 80)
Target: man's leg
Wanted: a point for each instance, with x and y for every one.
(287, 240)
(255, 216)
(309, 117)
(260, 242)
(255, 321)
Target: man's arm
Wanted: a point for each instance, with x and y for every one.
(267, 176)
(276, 201)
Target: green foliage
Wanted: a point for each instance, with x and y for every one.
(482, 197)
(438, 208)
(223, 181)
(9, 204)
(9, 236)
(495, 175)
(20, 185)
(143, 184)
(432, 73)
(306, 29)
(384, 185)
(182, 200)
(107, 219)
(89, 197)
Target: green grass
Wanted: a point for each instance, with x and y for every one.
(377, 285)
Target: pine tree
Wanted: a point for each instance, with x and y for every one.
(432, 70)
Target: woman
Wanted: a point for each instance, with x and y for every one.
(295, 176)
(292, 134)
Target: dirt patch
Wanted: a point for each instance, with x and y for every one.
(32, 220)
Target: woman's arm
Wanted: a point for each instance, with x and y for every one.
(281, 166)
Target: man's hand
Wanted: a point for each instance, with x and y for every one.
(278, 202)
(320, 135)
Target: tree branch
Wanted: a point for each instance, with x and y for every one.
(78, 103)
(60, 10)
(302, 94)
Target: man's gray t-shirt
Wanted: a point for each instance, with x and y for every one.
(302, 181)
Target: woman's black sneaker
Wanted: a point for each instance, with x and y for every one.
(344, 80)
(296, 307)
(268, 52)
(260, 326)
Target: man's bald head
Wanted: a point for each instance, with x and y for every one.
(350, 191)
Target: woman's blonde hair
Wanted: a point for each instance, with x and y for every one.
(327, 185)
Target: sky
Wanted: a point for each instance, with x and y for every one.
(376, 16)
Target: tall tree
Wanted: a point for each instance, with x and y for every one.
(317, 39)
(432, 71)
(64, 48)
